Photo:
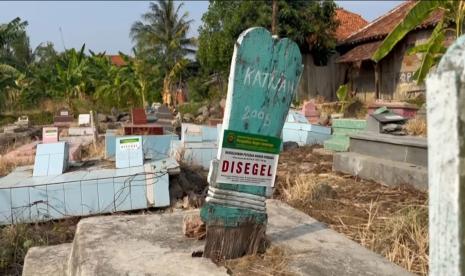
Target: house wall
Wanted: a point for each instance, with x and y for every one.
(320, 80)
(396, 72)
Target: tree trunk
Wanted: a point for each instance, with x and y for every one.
(274, 29)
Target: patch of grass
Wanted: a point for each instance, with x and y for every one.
(389, 224)
(273, 262)
(416, 127)
(6, 119)
(305, 189)
(15, 240)
(35, 117)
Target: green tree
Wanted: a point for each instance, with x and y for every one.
(14, 44)
(71, 79)
(310, 23)
(162, 34)
(452, 23)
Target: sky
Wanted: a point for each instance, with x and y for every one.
(104, 25)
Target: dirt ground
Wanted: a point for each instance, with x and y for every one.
(392, 221)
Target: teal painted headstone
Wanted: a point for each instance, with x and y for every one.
(264, 75)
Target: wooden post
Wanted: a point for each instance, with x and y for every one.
(93, 125)
(377, 80)
(274, 19)
(265, 73)
(446, 163)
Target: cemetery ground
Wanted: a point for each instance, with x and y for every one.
(391, 221)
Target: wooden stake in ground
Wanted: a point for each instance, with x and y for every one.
(446, 163)
(264, 75)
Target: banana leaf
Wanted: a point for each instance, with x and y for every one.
(419, 12)
(433, 49)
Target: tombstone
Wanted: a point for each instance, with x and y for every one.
(49, 135)
(51, 159)
(84, 120)
(23, 121)
(445, 99)
(385, 121)
(63, 117)
(310, 112)
(264, 75)
(129, 152)
(404, 109)
(138, 116)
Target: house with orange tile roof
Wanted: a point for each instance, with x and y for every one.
(392, 77)
(116, 60)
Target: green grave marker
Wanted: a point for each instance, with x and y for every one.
(265, 73)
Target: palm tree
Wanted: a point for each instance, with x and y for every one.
(163, 32)
(452, 22)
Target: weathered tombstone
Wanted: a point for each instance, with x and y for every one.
(49, 135)
(446, 163)
(264, 75)
(23, 121)
(63, 118)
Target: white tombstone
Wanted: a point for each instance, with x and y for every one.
(446, 162)
(84, 119)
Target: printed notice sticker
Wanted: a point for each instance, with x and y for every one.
(248, 159)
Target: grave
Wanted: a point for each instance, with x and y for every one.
(51, 159)
(140, 125)
(84, 120)
(298, 129)
(154, 245)
(384, 120)
(401, 108)
(386, 159)
(341, 129)
(155, 147)
(83, 190)
(129, 152)
(49, 135)
(23, 121)
(198, 145)
(63, 118)
(310, 112)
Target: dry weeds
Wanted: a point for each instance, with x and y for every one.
(92, 151)
(274, 262)
(392, 221)
(416, 127)
(8, 165)
(15, 240)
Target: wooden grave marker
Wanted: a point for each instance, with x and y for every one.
(264, 75)
(446, 162)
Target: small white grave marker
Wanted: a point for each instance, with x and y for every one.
(84, 119)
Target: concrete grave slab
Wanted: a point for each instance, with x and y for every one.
(154, 245)
(384, 171)
(47, 260)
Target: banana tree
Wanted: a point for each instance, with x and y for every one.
(451, 23)
(71, 74)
